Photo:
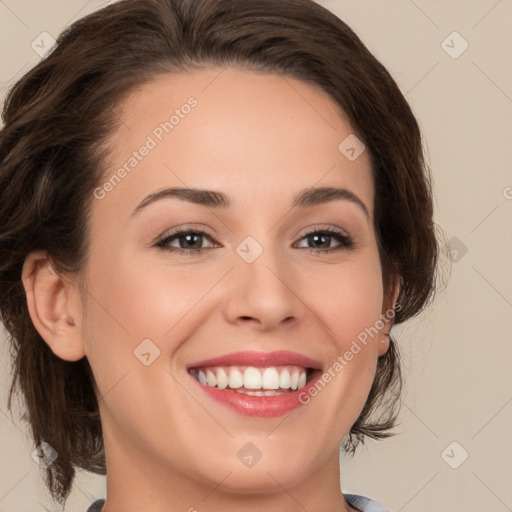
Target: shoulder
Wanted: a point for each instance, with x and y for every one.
(96, 506)
(364, 504)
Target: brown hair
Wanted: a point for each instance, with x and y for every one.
(52, 155)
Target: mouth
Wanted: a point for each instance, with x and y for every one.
(257, 383)
(254, 381)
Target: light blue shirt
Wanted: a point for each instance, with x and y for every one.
(96, 506)
(362, 503)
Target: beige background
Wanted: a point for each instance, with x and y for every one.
(458, 354)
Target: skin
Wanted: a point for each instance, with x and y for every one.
(260, 138)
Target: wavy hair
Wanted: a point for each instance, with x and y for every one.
(52, 156)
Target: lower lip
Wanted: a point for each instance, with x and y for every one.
(260, 406)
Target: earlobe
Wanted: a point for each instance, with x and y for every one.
(51, 309)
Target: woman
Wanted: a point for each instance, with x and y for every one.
(212, 214)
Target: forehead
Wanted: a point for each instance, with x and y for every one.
(254, 135)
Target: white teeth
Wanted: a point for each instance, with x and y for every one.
(251, 380)
(211, 380)
(236, 379)
(284, 379)
(270, 379)
(260, 392)
(222, 379)
(294, 380)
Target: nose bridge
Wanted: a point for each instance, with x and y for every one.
(263, 287)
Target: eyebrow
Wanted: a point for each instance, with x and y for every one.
(214, 199)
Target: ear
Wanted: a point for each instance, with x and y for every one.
(388, 314)
(54, 307)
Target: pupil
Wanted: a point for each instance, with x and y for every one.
(189, 237)
(316, 237)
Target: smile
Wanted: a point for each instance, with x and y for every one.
(254, 381)
(256, 384)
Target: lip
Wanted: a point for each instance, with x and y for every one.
(259, 406)
(254, 358)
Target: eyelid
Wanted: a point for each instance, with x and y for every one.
(184, 230)
(196, 228)
(313, 228)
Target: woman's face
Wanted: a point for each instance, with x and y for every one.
(264, 281)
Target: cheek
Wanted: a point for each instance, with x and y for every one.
(129, 301)
(347, 298)
(145, 301)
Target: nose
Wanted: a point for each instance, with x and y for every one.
(264, 292)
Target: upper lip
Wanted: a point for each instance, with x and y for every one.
(264, 359)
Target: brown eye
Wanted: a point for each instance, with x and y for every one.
(189, 241)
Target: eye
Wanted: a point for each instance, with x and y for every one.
(189, 241)
(325, 237)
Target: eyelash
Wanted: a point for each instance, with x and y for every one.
(346, 242)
